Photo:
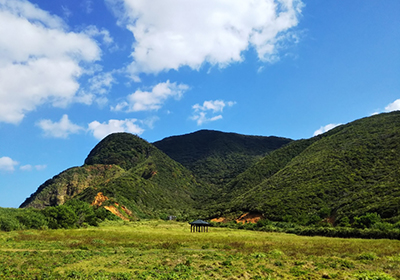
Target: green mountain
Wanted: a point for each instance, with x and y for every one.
(217, 157)
(129, 176)
(349, 171)
(338, 176)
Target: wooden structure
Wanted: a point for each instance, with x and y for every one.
(199, 226)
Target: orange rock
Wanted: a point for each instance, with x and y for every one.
(99, 199)
(249, 218)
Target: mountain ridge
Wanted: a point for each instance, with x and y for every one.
(346, 172)
(217, 157)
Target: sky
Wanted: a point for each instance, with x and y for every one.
(74, 71)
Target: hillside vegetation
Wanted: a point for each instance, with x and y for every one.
(218, 157)
(352, 170)
(134, 179)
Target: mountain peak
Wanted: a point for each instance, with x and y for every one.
(123, 149)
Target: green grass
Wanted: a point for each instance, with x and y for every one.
(167, 250)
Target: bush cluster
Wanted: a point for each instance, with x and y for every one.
(368, 226)
(73, 214)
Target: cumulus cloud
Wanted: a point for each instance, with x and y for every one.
(170, 34)
(101, 83)
(40, 60)
(394, 106)
(326, 128)
(202, 112)
(96, 89)
(7, 164)
(153, 99)
(61, 129)
(101, 130)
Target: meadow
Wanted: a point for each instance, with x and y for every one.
(149, 249)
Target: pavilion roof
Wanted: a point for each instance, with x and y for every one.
(199, 223)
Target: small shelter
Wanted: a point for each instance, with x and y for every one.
(199, 226)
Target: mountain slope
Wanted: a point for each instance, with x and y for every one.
(217, 157)
(143, 180)
(351, 170)
(69, 183)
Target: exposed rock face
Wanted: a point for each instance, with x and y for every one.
(250, 218)
(101, 198)
(69, 183)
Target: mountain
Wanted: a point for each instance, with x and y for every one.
(349, 171)
(127, 175)
(338, 176)
(217, 157)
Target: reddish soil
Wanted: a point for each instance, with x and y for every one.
(100, 198)
(115, 211)
(219, 220)
(245, 218)
(249, 218)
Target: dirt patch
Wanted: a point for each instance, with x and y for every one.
(245, 218)
(115, 211)
(250, 218)
(219, 220)
(126, 210)
(99, 199)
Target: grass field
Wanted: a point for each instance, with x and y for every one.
(167, 250)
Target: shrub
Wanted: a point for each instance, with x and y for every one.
(367, 256)
(9, 224)
(61, 216)
(367, 220)
(84, 212)
(31, 218)
(344, 222)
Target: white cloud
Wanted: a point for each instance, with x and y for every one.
(40, 167)
(7, 164)
(170, 34)
(151, 100)
(26, 167)
(29, 167)
(101, 130)
(98, 86)
(394, 106)
(93, 31)
(325, 128)
(40, 61)
(101, 83)
(61, 129)
(215, 106)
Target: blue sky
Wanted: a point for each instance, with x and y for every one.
(72, 72)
